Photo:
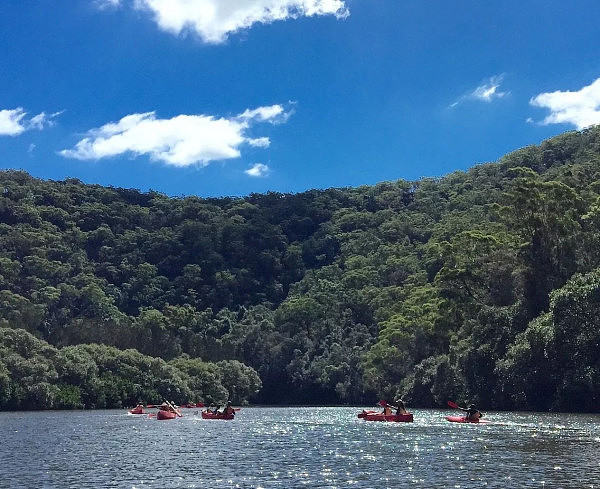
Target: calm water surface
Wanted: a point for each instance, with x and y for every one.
(297, 447)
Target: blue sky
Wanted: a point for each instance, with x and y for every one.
(230, 97)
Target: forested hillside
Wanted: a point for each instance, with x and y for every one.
(481, 286)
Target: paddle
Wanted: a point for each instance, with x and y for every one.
(452, 404)
(175, 410)
(384, 403)
(170, 405)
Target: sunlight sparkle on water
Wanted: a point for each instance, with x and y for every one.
(277, 448)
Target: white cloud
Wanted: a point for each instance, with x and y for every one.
(10, 122)
(214, 20)
(103, 4)
(489, 90)
(485, 92)
(274, 113)
(13, 122)
(581, 108)
(258, 170)
(42, 120)
(180, 141)
(260, 142)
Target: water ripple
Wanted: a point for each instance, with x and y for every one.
(297, 447)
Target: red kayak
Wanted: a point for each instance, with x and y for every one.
(192, 405)
(165, 415)
(462, 419)
(377, 416)
(211, 415)
(137, 410)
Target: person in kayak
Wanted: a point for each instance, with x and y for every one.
(139, 409)
(400, 407)
(387, 410)
(165, 406)
(472, 413)
(228, 410)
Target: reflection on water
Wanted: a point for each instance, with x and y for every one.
(297, 447)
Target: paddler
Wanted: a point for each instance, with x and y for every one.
(387, 409)
(228, 410)
(400, 407)
(139, 409)
(165, 406)
(473, 414)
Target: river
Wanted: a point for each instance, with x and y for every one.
(297, 448)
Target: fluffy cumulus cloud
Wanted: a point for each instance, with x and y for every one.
(581, 108)
(15, 121)
(180, 141)
(11, 122)
(258, 170)
(214, 20)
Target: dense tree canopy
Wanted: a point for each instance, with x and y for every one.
(35, 375)
(480, 285)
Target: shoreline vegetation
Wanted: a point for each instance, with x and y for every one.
(481, 285)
